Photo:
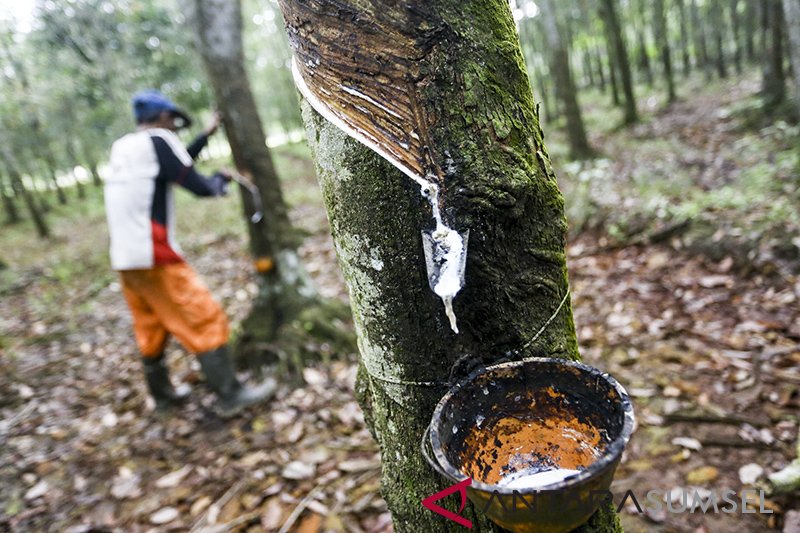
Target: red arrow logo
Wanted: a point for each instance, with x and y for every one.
(458, 487)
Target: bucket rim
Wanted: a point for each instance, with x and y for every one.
(611, 455)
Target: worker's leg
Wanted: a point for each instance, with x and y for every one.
(151, 337)
(189, 312)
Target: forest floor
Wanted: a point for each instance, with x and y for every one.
(707, 344)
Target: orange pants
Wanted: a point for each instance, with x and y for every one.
(171, 299)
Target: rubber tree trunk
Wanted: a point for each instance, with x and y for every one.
(565, 83)
(608, 12)
(700, 41)
(662, 41)
(601, 74)
(791, 9)
(717, 32)
(35, 212)
(12, 215)
(773, 84)
(685, 37)
(284, 286)
(737, 35)
(750, 25)
(644, 55)
(498, 183)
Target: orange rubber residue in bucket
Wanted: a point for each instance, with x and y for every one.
(510, 444)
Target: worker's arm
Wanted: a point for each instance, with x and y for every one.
(173, 168)
(197, 145)
(201, 141)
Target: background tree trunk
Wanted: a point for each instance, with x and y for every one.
(565, 84)
(12, 215)
(662, 41)
(644, 56)
(498, 184)
(619, 56)
(35, 212)
(737, 37)
(285, 290)
(791, 9)
(685, 37)
(700, 41)
(773, 85)
(717, 32)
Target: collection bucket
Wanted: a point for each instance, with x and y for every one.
(540, 439)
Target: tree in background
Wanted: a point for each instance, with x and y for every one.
(791, 10)
(565, 84)
(286, 300)
(773, 86)
(662, 42)
(619, 55)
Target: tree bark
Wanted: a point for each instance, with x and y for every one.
(470, 81)
(717, 28)
(644, 55)
(791, 9)
(685, 37)
(565, 84)
(700, 41)
(662, 40)
(285, 290)
(737, 35)
(619, 56)
(750, 25)
(773, 84)
(12, 215)
(20, 191)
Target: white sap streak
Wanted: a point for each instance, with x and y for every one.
(449, 244)
(526, 479)
(372, 101)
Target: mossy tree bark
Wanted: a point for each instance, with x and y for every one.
(498, 184)
(285, 294)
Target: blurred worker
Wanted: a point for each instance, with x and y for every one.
(164, 294)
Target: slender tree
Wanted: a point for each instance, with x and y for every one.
(737, 37)
(565, 84)
(286, 292)
(773, 84)
(717, 32)
(791, 10)
(685, 37)
(662, 41)
(7, 194)
(452, 73)
(750, 25)
(9, 161)
(700, 40)
(619, 54)
(644, 53)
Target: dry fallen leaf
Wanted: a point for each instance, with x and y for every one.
(164, 516)
(298, 470)
(173, 479)
(704, 474)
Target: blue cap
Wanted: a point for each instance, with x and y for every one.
(149, 103)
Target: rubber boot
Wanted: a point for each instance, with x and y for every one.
(232, 396)
(159, 385)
